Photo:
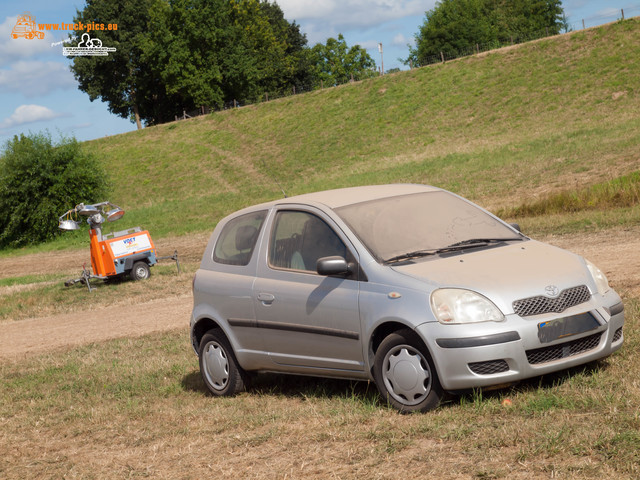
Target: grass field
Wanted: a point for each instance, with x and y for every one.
(545, 134)
(505, 128)
(138, 409)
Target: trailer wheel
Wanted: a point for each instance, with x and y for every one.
(140, 271)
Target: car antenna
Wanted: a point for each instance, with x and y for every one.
(273, 178)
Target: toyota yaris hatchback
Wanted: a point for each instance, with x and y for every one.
(410, 286)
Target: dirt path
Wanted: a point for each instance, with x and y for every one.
(72, 329)
(617, 253)
(80, 328)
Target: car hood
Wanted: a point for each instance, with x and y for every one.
(504, 273)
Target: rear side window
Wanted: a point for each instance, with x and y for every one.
(238, 238)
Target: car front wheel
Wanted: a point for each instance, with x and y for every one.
(405, 375)
(218, 365)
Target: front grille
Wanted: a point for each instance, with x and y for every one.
(541, 304)
(617, 336)
(489, 368)
(563, 350)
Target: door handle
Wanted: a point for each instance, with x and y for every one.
(266, 298)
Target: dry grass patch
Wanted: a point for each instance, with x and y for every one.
(138, 408)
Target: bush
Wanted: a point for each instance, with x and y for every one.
(39, 181)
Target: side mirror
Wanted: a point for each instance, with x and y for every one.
(332, 266)
(516, 226)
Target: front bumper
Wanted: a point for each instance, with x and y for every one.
(486, 354)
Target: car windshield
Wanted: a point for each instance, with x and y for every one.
(421, 223)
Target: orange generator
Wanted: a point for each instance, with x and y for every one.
(126, 253)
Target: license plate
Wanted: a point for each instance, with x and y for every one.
(558, 328)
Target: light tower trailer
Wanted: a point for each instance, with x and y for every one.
(126, 253)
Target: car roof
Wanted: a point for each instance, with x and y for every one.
(348, 196)
(342, 197)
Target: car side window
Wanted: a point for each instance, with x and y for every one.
(299, 239)
(238, 238)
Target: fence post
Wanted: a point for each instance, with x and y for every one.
(511, 39)
(184, 114)
(622, 10)
(352, 78)
(583, 23)
(321, 84)
(442, 56)
(547, 29)
(478, 49)
(266, 95)
(294, 89)
(235, 104)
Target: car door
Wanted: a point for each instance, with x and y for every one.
(307, 320)
(226, 282)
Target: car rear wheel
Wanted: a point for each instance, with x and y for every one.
(218, 365)
(405, 375)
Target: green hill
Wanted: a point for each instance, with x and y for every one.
(503, 128)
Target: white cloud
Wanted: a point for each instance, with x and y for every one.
(401, 41)
(323, 19)
(363, 13)
(21, 48)
(28, 114)
(369, 45)
(34, 78)
(307, 9)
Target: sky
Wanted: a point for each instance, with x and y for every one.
(38, 92)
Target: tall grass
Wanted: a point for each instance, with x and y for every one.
(617, 193)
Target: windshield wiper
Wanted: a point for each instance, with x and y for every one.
(464, 244)
(409, 255)
(472, 242)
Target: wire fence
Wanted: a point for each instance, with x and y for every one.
(611, 15)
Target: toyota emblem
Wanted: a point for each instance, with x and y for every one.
(552, 290)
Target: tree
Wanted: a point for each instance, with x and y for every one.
(297, 54)
(336, 63)
(456, 26)
(527, 19)
(211, 52)
(175, 55)
(123, 79)
(186, 45)
(39, 181)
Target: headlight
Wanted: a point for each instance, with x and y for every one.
(599, 278)
(455, 305)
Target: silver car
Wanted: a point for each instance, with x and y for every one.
(410, 286)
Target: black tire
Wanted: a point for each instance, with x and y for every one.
(218, 365)
(405, 375)
(140, 271)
